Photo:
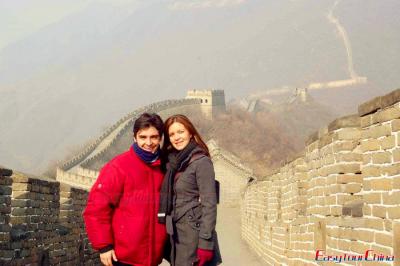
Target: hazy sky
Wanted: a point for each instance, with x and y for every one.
(19, 18)
(196, 4)
(70, 68)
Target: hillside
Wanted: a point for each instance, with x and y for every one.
(275, 130)
(258, 140)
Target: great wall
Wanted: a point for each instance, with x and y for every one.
(340, 196)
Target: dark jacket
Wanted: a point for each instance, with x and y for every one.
(194, 211)
(122, 210)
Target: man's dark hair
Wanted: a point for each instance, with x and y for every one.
(147, 120)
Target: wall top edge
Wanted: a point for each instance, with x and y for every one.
(19, 177)
(205, 90)
(294, 157)
(72, 188)
(348, 121)
(284, 163)
(378, 103)
(5, 172)
(352, 120)
(312, 138)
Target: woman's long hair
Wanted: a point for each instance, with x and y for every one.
(167, 146)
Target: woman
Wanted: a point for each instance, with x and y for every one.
(188, 203)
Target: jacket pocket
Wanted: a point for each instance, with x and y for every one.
(193, 217)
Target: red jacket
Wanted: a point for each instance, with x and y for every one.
(122, 210)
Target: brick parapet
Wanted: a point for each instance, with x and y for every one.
(41, 223)
(5, 210)
(219, 153)
(84, 179)
(348, 183)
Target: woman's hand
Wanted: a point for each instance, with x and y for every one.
(204, 256)
(107, 257)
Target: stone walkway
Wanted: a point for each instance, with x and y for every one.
(234, 251)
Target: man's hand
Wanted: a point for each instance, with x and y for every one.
(107, 257)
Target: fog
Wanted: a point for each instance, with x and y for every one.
(68, 71)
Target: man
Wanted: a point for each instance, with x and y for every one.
(121, 212)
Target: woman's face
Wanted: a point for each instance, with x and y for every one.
(179, 136)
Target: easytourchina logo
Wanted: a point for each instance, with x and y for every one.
(369, 255)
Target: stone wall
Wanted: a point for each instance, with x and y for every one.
(41, 222)
(341, 196)
(231, 174)
(82, 179)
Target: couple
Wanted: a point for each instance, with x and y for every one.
(146, 193)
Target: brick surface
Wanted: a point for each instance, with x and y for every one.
(366, 121)
(387, 114)
(379, 211)
(381, 184)
(375, 132)
(381, 157)
(396, 155)
(396, 242)
(384, 239)
(391, 170)
(373, 198)
(391, 198)
(370, 145)
(393, 212)
(395, 123)
(388, 142)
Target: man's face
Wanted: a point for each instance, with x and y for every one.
(148, 139)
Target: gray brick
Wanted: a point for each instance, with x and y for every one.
(5, 181)
(5, 190)
(5, 200)
(20, 203)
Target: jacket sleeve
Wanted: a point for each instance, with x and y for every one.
(103, 198)
(205, 177)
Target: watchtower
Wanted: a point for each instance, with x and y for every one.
(212, 101)
(300, 95)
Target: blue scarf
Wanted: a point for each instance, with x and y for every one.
(146, 156)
